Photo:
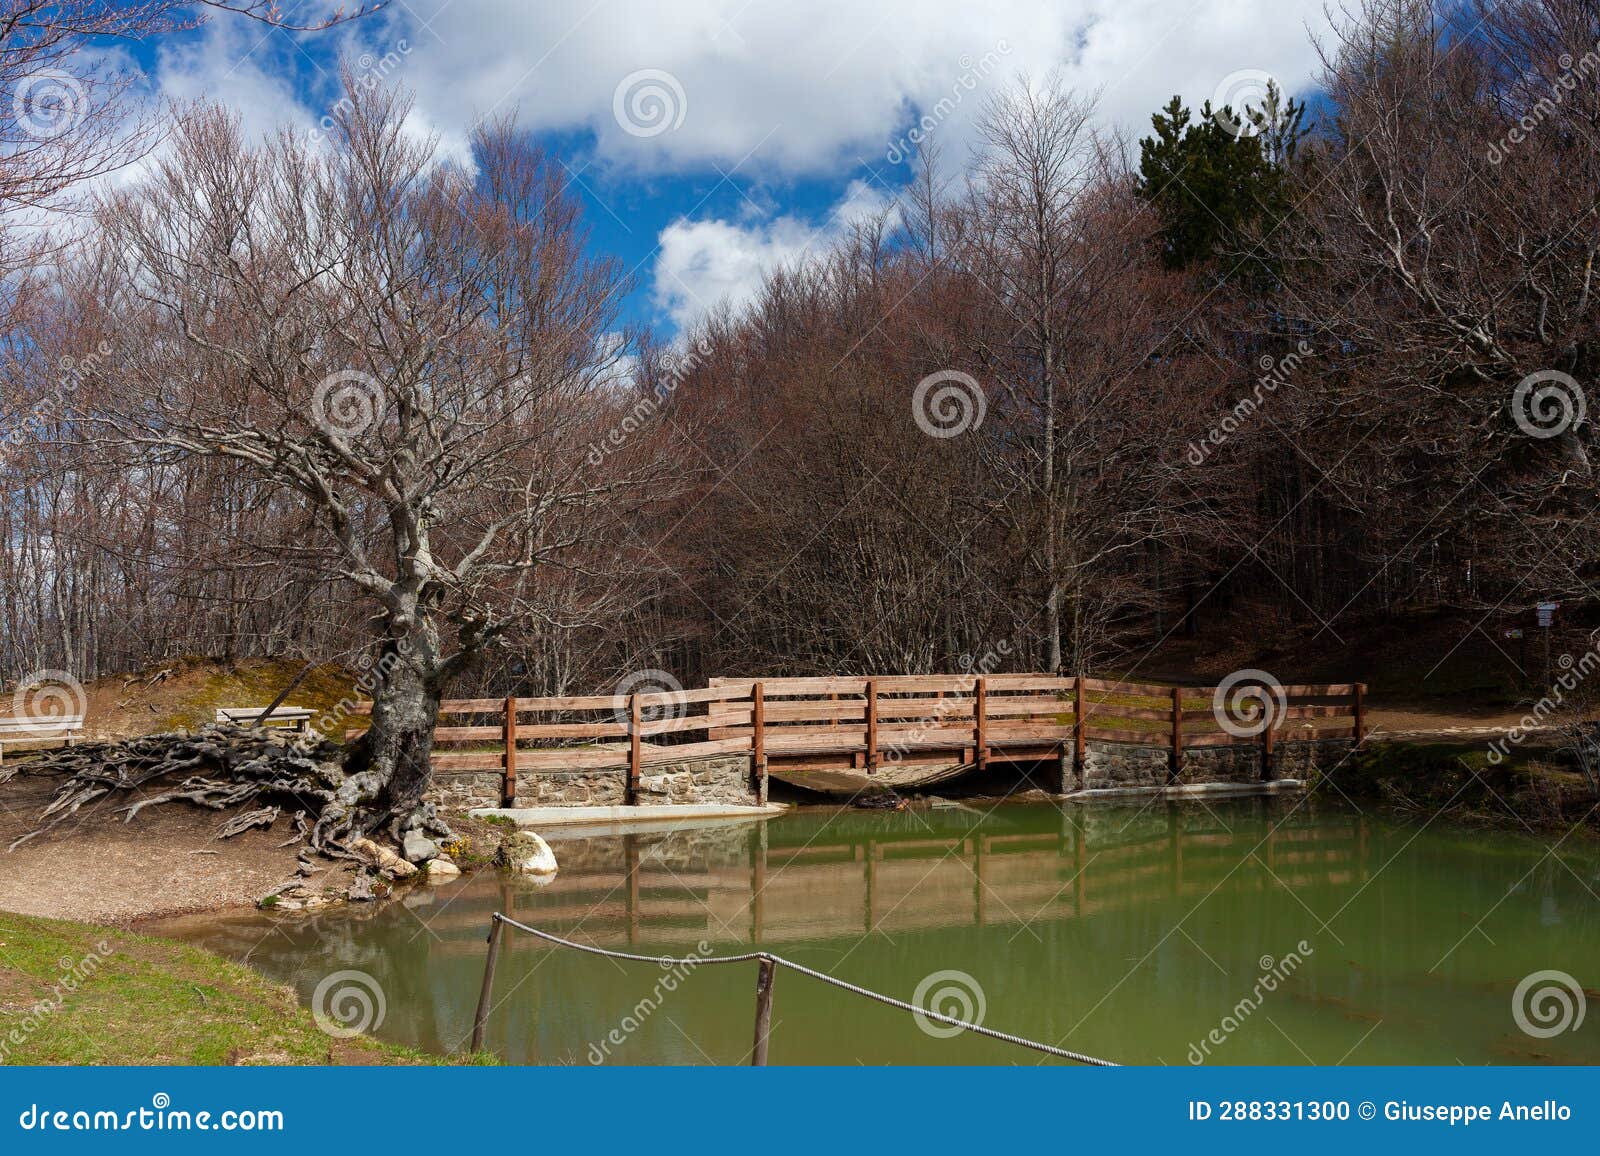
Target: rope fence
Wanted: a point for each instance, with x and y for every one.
(764, 983)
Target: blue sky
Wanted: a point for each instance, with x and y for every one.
(712, 139)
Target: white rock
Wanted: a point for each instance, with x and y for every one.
(527, 854)
(442, 867)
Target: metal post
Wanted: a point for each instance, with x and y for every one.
(764, 978)
(480, 1020)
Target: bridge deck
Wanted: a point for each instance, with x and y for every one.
(928, 725)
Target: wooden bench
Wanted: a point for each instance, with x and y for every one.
(63, 728)
(293, 717)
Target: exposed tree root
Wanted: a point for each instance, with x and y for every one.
(227, 766)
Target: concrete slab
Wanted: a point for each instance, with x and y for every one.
(622, 820)
(1191, 790)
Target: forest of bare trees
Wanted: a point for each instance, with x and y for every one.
(1069, 396)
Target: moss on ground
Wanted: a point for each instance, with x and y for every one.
(71, 993)
(255, 682)
(1529, 786)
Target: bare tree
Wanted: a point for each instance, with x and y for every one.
(1447, 245)
(1038, 163)
(421, 358)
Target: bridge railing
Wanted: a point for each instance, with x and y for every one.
(908, 721)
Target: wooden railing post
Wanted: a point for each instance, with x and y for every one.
(480, 1019)
(764, 978)
(508, 781)
(1177, 732)
(635, 724)
(1078, 737)
(872, 727)
(1268, 738)
(758, 741)
(980, 718)
(1361, 712)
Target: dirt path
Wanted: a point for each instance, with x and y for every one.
(97, 869)
(1431, 720)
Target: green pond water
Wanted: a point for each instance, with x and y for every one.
(1292, 932)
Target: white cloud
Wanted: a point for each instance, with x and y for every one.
(233, 65)
(700, 264)
(767, 89)
(805, 86)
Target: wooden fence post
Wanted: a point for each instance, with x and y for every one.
(508, 781)
(980, 719)
(764, 978)
(1079, 745)
(1361, 712)
(1268, 736)
(758, 742)
(872, 727)
(635, 722)
(1177, 732)
(480, 1019)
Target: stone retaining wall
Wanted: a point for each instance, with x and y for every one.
(724, 779)
(1113, 765)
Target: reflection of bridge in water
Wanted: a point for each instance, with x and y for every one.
(752, 885)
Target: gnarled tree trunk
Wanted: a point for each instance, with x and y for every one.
(395, 755)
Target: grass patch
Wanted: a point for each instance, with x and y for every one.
(71, 993)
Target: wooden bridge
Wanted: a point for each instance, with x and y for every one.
(901, 727)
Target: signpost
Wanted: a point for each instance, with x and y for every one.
(1546, 612)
